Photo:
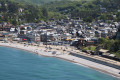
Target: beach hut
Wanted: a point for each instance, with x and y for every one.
(103, 52)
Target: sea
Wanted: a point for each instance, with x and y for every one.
(17, 64)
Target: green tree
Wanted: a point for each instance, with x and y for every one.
(3, 7)
(13, 7)
(44, 12)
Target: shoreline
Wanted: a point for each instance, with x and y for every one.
(79, 61)
(99, 70)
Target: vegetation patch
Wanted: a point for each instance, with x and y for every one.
(92, 48)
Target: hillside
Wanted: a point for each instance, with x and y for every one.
(89, 10)
(17, 13)
(38, 2)
(35, 1)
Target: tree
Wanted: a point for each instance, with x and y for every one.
(14, 22)
(13, 7)
(44, 12)
(3, 7)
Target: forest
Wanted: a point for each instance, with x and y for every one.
(21, 11)
(17, 13)
(88, 10)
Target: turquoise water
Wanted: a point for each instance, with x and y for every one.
(20, 65)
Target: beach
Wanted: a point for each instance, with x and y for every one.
(63, 53)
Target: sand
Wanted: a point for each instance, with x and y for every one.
(63, 53)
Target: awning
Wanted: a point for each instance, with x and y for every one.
(103, 50)
(24, 39)
(112, 55)
(69, 39)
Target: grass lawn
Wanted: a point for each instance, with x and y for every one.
(92, 48)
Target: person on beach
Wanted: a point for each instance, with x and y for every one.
(36, 51)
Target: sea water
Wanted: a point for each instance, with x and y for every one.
(21, 65)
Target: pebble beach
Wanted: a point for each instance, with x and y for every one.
(62, 52)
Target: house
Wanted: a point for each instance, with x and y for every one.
(101, 24)
(97, 33)
(20, 10)
(66, 36)
(13, 29)
(24, 29)
(102, 10)
(81, 42)
(90, 34)
(1, 37)
(104, 33)
(95, 40)
(37, 39)
(89, 43)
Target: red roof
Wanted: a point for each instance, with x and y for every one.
(24, 39)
